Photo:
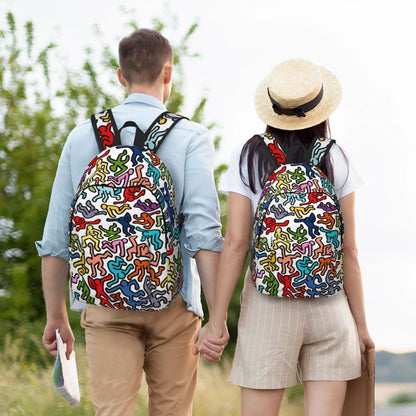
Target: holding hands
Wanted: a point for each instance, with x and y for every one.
(211, 341)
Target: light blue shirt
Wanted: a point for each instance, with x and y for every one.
(187, 152)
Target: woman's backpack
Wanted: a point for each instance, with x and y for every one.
(297, 245)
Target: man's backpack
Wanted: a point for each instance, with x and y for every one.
(297, 246)
(123, 228)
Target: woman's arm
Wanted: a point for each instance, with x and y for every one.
(353, 284)
(233, 257)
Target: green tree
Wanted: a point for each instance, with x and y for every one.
(29, 147)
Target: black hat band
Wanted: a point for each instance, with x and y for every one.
(299, 111)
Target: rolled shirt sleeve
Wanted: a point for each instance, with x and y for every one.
(55, 234)
(200, 206)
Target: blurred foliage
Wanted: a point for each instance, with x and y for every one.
(40, 102)
(403, 398)
(31, 139)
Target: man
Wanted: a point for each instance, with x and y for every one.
(122, 344)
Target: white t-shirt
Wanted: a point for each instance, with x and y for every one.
(346, 178)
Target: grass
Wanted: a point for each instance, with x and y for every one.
(26, 387)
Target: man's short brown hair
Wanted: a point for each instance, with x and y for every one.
(142, 56)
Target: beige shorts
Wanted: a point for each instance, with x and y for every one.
(278, 338)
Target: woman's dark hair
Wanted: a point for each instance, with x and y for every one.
(296, 143)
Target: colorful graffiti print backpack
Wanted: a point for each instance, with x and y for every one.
(297, 247)
(123, 228)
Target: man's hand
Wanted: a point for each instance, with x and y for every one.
(54, 281)
(49, 336)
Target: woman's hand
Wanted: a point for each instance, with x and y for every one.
(366, 344)
(211, 342)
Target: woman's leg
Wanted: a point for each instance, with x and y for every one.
(324, 398)
(256, 402)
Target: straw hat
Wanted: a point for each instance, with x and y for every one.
(296, 95)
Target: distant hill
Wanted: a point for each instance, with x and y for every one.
(395, 368)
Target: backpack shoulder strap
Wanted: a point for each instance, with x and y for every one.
(319, 149)
(274, 147)
(105, 130)
(159, 129)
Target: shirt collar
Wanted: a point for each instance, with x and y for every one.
(138, 98)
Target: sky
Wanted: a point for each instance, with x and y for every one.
(367, 44)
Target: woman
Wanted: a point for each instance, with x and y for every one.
(318, 329)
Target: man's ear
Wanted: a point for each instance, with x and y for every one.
(121, 78)
(168, 73)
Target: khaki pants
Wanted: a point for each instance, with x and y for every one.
(121, 344)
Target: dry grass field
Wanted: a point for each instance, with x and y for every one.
(26, 389)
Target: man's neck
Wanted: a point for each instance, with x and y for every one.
(154, 91)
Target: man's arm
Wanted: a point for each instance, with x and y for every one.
(201, 232)
(207, 263)
(54, 280)
(233, 256)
